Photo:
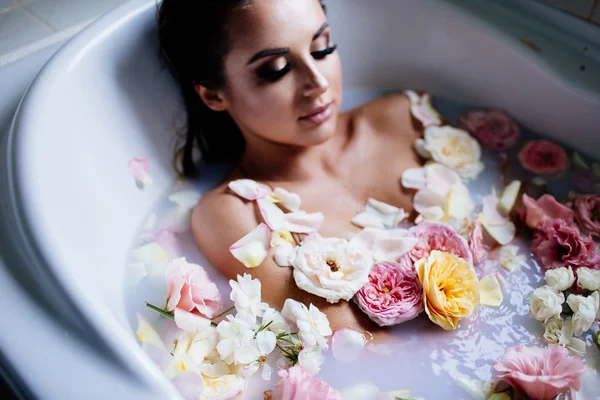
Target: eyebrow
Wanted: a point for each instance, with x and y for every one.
(282, 50)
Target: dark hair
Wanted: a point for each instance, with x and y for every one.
(193, 38)
(194, 41)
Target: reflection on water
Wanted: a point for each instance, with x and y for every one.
(424, 358)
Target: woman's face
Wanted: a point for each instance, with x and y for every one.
(284, 78)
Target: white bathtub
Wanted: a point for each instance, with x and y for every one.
(70, 205)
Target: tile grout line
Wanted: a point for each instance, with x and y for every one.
(35, 16)
(43, 43)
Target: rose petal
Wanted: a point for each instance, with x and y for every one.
(490, 293)
(252, 249)
(392, 248)
(429, 204)
(152, 256)
(190, 322)
(414, 178)
(365, 219)
(185, 199)
(147, 334)
(503, 234)
(272, 215)
(303, 222)
(347, 345)
(290, 201)
(249, 189)
(421, 149)
(509, 196)
(459, 205)
(283, 254)
(139, 169)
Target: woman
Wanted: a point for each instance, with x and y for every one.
(262, 80)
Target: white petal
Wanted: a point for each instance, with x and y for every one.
(283, 254)
(147, 334)
(578, 346)
(247, 354)
(502, 234)
(382, 207)
(413, 97)
(347, 344)
(391, 248)
(266, 342)
(460, 205)
(290, 201)
(421, 149)
(490, 293)
(490, 211)
(252, 249)
(429, 204)
(266, 372)
(414, 178)
(272, 215)
(303, 222)
(509, 196)
(366, 219)
(186, 199)
(153, 256)
(249, 189)
(361, 391)
(190, 322)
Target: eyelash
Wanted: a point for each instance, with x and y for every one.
(266, 74)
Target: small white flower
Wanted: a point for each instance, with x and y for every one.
(246, 295)
(236, 334)
(331, 268)
(277, 323)
(560, 278)
(588, 278)
(545, 303)
(312, 324)
(509, 257)
(584, 311)
(453, 148)
(311, 359)
(257, 356)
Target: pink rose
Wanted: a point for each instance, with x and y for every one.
(475, 242)
(587, 212)
(537, 211)
(297, 384)
(438, 237)
(557, 243)
(493, 129)
(190, 289)
(543, 157)
(393, 294)
(540, 373)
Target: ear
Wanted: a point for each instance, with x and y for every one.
(213, 99)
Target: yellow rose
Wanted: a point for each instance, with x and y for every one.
(450, 288)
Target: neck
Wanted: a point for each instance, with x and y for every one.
(268, 161)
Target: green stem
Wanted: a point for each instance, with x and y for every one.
(162, 312)
(223, 313)
(597, 340)
(284, 351)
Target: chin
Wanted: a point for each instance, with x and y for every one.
(318, 135)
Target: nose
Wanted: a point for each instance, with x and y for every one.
(315, 82)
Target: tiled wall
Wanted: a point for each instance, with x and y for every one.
(586, 9)
(23, 22)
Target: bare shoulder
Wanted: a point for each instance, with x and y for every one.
(389, 115)
(218, 220)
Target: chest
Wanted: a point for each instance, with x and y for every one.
(369, 172)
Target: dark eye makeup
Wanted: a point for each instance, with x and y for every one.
(267, 73)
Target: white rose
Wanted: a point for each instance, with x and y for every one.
(545, 303)
(453, 148)
(588, 278)
(560, 278)
(558, 332)
(584, 311)
(331, 268)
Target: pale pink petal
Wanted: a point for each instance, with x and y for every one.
(347, 344)
(537, 211)
(440, 178)
(392, 248)
(252, 249)
(249, 189)
(288, 200)
(414, 178)
(139, 169)
(429, 204)
(303, 222)
(490, 211)
(283, 254)
(190, 322)
(272, 215)
(421, 149)
(366, 219)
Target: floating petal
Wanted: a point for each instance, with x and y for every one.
(502, 233)
(249, 189)
(152, 256)
(283, 254)
(252, 249)
(303, 222)
(190, 322)
(290, 201)
(414, 178)
(490, 293)
(366, 219)
(347, 344)
(147, 334)
(139, 169)
(273, 216)
(509, 196)
(186, 199)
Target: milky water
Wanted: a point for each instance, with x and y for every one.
(423, 358)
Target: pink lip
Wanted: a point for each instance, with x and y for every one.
(318, 115)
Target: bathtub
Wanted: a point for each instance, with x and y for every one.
(70, 210)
